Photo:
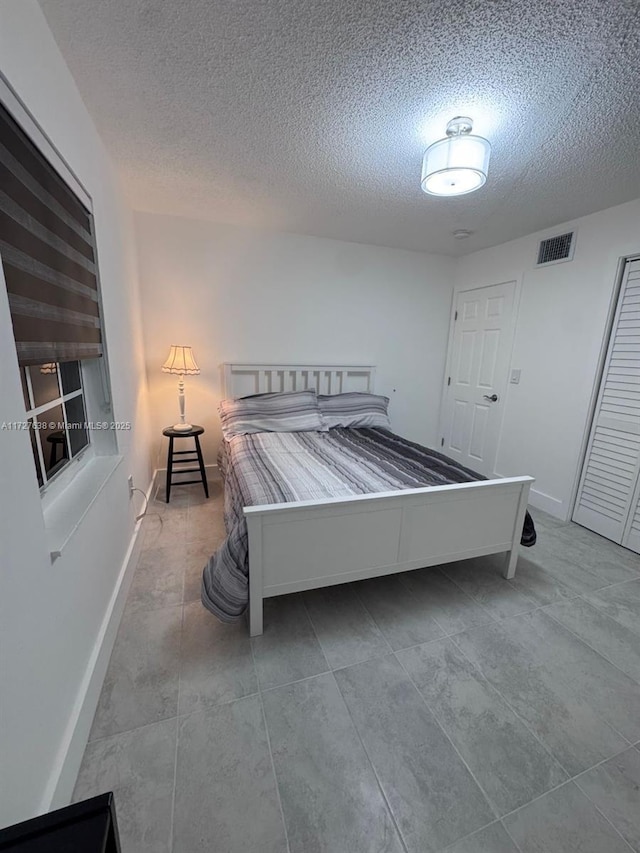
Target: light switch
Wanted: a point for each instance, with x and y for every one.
(515, 375)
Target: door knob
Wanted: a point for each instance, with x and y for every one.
(493, 398)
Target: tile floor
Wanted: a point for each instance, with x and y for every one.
(445, 709)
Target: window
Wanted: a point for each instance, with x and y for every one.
(56, 414)
(49, 264)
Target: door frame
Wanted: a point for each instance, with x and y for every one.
(597, 382)
(461, 288)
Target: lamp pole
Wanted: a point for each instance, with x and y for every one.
(182, 425)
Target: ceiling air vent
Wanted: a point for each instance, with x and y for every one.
(556, 249)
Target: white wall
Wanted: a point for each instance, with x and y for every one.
(560, 329)
(240, 295)
(51, 615)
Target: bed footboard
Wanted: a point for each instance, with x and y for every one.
(306, 545)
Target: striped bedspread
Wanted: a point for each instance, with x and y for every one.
(271, 467)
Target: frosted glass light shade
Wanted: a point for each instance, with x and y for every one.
(455, 165)
(180, 361)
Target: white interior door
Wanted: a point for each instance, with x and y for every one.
(478, 375)
(608, 493)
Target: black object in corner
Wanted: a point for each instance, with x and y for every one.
(86, 827)
(529, 535)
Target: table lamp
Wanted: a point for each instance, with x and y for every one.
(180, 361)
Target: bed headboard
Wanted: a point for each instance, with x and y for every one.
(239, 380)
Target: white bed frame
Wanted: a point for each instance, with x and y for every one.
(311, 544)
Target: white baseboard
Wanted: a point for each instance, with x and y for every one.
(546, 503)
(60, 789)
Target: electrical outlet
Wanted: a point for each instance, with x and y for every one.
(130, 481)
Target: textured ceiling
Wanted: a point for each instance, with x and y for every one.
(312, 115)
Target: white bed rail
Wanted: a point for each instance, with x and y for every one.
(306, 545)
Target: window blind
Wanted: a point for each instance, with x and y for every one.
(48, 256)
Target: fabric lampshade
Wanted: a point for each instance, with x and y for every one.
(180, 361)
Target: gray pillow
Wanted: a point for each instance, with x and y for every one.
(354, 409)
(290, 411)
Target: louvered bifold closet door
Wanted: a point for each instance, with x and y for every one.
(631, 538)
(608, 491)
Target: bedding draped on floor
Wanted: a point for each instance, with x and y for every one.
(277, 467)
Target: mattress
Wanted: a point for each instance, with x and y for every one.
(272, 468)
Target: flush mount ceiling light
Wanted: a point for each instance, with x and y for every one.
(458, 164)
